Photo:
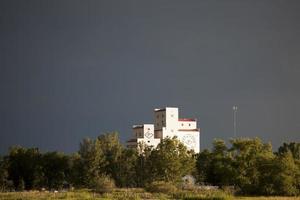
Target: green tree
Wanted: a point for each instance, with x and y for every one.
(293, 147)
(216, 167)
(266, 167)
(92, 161)
(248, 155)
(3, 175)
(142, 170)
(55, 167)
(126, 169)
(222, 165)
(170, 161)
(204, 168)
(252, 167)
(78, 172)
(112, 149)
(21, 185)
(24, 165)
(98, 158)
(286, 176)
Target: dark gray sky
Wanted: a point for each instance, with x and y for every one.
(75, 69)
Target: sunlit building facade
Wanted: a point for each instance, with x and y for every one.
(167, 124)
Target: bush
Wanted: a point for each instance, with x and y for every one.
(161, 187)
(21, 185)
(229, 190)
(104, 184)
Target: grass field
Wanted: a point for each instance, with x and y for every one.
(134, 194)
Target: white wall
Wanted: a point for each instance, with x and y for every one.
(149, 142)
(167, 124)
(191, 139)
(148, 131)
(187, 124)
(172, 118)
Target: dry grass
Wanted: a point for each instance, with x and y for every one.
(32, 195)
(121, 194)
(267, 198)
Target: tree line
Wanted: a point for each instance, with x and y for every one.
(252, 167)
(248, 165)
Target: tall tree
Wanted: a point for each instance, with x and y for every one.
(287, 175)
(78, 172)
(112, 149)
(24, 167)
(293, 147)
(222, 165)
(55, 167)
(142, 170)
(216, 167)
(170, 161)
(92, 161)
(204, 168)
(125, 174)
(3, 175)
(248, 155)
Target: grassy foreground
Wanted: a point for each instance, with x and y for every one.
(134, 194)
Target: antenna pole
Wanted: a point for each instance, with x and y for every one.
(234, 108)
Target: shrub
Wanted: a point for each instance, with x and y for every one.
(161, 187)
(229, 190)
(21, 185)
(104, 184)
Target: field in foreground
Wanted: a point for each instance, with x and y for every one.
(134, 194)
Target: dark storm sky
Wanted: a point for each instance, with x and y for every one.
(75, 69)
